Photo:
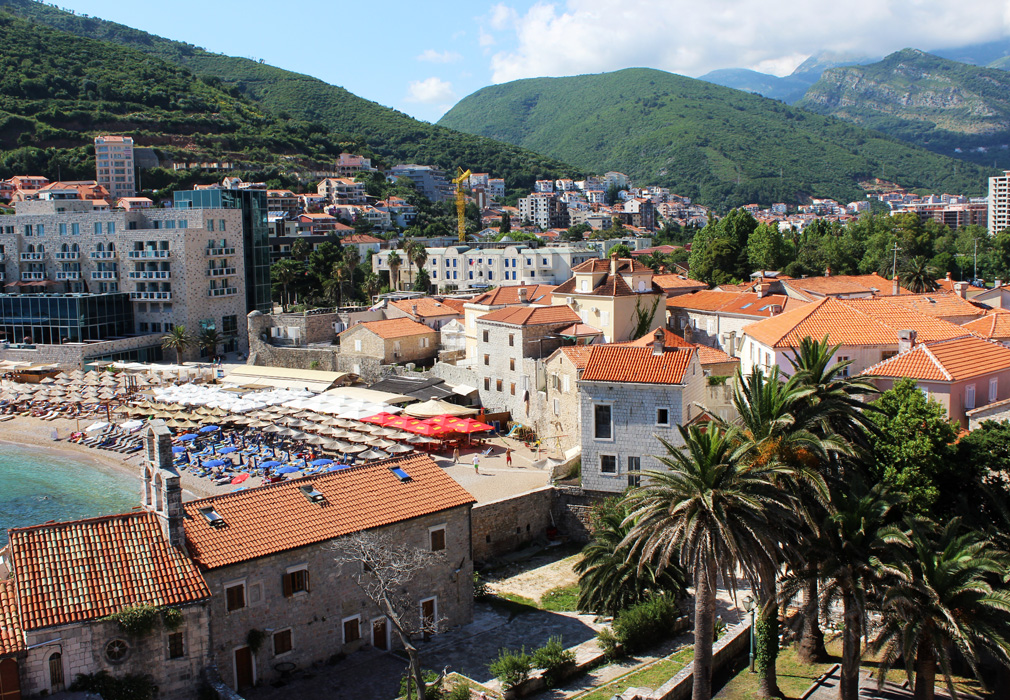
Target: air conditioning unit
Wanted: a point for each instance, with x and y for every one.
(568, 300)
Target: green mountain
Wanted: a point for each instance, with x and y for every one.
(720, 146)
(789, 88)
(948, 107)
(356, 123)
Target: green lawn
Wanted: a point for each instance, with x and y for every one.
(793, 677)
(649, 677)
(561, 599)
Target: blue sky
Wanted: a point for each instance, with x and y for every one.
(423, 57)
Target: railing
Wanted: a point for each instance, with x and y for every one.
(135, 254)
(3, 258)
(72, 255)
(31, 276)
(105, 275)
(222, 292)
(220, 271)
(68, 274)
(218, 252)
(151, 296)
(149, 275)
(103, 254)
(29, 257)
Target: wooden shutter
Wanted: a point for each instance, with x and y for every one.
(286, 579)
(305, 573)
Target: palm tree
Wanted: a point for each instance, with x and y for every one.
(371, 285)
(179, 340)
(709, 512)
(333, 286)
(944, 600)
(300, 249)
(416, 253)
(208, 340)
(394, 269)
(919, 276)
(284, 275)
(654, 260)
(609, 580)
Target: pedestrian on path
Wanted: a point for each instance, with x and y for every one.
(508, 456)
(476, 463)
(455, 454)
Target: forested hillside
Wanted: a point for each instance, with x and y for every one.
(720, 146)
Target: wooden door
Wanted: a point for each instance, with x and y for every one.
(244, 676)
(10, 681)
(380, 635)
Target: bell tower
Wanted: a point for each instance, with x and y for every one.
(161, 491)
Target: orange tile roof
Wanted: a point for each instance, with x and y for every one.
(11, 637)
(360, 238)
(456, 304)
(608, 286)
(392, 328)
(995, 324)
(850, 322)
(426, 307)
(946, 361)
(532, 315)
(938, 304)
(278, 517)
(621, 363)
(947, 284)
(671, 281)
(88, 569)
(603, 265)
(580, 330)
(817, 287)
(743, 303)
(535, 294)
(706, 355)
(578, 354)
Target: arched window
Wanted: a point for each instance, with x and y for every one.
(64, 248)
(31, 248)
(75, 248)
(101, 247)
(112, 246)
(147, 486)
(158, 494)
(56, 683)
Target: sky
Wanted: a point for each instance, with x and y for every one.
(423, 57)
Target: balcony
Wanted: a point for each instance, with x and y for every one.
(150, 296)
(220, 271)
(219, 252)
(32, 257)
(104, 255)
(222, 292)
(73, 255)
(3, 258)
(68, 275)
(32, 276)
(105, 275)
(148, 254)
(149, 275)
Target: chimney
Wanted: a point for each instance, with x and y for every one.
(689, 333)
(827, 271)
(522, 294)
(162, 490)
(613, 263)
(948, 277)
(658, 341)
(762, 289)
(961, 289)
(413, 309)
(997, 284)
(895, 286)
(775, 309)
(906, 340)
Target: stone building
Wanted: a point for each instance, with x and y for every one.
(267, 555)
(497, 298)
(559, 420)
(430, 312)
(629, 397)
(393, 341)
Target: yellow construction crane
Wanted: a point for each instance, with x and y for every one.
(461, 177)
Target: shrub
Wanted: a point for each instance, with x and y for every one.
(511, 668)
(610, 644)
(132, 686)
(460, 691)
(480, 588)
(141, 619)
(431, 689)
(646, 623)
(552, 657)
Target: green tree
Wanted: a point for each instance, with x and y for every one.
(506, 223)
(621, 250)
(941, 605)
(612, 194)
(321, 261)
(208, 340)
(766, 248)
(300, 249)
(422, 283)
(285, 273)
(919, 276)
(371, 286)
(709, 512)
(577, 232)
(913, 447)
(177, 339)
(394, 261)
(416, 253)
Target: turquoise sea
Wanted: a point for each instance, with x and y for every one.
(37, 485)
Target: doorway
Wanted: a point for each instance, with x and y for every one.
(245, 671)
(10, 680)
(380, 634)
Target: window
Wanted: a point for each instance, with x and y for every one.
(565, 383)
(663, 417)
(512, 340)
(887, 354)
(116, 650)
(357, 346)
(512, 364)
(296, 581)
(486, 335)
(512, 388)
(210, 224)
(98, 228)
(993, 389)
(234, 597)
(62, 228)
(603, 428)
(110, 228)
(608, 464)
(969, 396)
(487, 359)
(282, 642)
(352, 629)
(634, 471)
(845, 369)
(557, 407)
(498, 384)
(176, 645)
(487, 383)
(437, 537)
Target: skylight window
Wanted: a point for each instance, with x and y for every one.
(212, 516)
(400, 474)
(312, 494)
(749, 303)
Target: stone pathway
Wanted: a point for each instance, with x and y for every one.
(828, 690)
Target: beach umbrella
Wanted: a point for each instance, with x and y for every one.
(209, 428)
(373, 454)
(320, 462)
(271, 428)
(240, 478)
(288, 470)
(187, 437)
(270, 464)
(379, 418)
(315, 440)
(354, 449)
(338, 467)
(132, 425)
(467, 425)
(434, 407)
(216, 463)
(358, 437)
(227, 450)
(397, 449)
(420, 440)
(178, 448)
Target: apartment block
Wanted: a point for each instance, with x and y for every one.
(544, 210)
(429, 181)
(999, 203)
(114, 165)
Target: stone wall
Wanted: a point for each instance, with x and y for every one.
(571, 509)
(73, 355)
(508, 524)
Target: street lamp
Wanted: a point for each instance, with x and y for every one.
(748, 605)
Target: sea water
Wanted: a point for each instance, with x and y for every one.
(38, 485)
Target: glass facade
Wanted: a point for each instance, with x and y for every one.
(255, 234)
(50, 319)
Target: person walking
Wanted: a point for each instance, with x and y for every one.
(455, 454)
(476, 463)
(508, 456)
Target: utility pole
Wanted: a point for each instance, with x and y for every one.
(975, 281)
(894, 265)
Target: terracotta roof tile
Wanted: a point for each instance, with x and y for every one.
(947, 285)
(608, 286)
(995, 325)
(706, 355)
(850, 322)
(580, 330)
(603, 265)
(392, 328)
(279, 517)
(578, 354)
(742, 303)
(11, 637)
(946, 361)
(622, 363)
(360, 238)
(938, 304)
(532, 315)
(535, 294)
(426, 307)
(671, 281)
(817, 287)
(87, 569)
(456, 304)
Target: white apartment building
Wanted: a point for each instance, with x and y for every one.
(999, 203)
(342, 190)
(179, 266)
(496, 187)
(544, 210)
(114, 165)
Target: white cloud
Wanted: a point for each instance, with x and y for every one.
(430, 91)
(690, 37)
(433, 56)
(485, 39)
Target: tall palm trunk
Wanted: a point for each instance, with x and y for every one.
(851, 652)
(811, 648)
(925, 671)
(704, 629)
(768, 686)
